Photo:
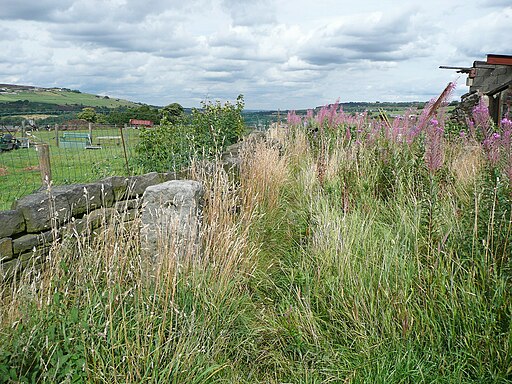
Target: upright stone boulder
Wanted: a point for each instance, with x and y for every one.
(170, 219)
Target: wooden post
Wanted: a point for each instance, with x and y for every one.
(23, 128)
(57, 134)
(90, 133)
(124, 150)
(43, 151)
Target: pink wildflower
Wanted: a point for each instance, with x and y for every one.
(434, 151)
(293, 119)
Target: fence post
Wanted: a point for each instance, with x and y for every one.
(56, 134)
(43, 151)
(90, 132)
(124, 149)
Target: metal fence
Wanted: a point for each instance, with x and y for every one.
(67, 154)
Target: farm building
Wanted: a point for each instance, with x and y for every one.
(141, 123)
(492, 81)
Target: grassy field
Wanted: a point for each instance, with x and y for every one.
(345, 251)
(19, 169)
(63, 97)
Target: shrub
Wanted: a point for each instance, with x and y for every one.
(175, 142)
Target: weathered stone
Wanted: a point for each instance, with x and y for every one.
(138, 184)
(61, 203)
(38, 209)
(129, 187)
(125, 205)
(31, 241)
(168, 176)
(170, 218)
(129, 215)
(29, 259)
(99, 217)
(74, 226)
(119, 186)
(11, 223)
(6, 248)
(231, 156)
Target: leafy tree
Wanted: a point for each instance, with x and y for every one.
(172, 113)
(87, 114)
(145, 112)
(120, 116)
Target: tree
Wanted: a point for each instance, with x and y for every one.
(145, 112)
(172, 113)
(87, 114)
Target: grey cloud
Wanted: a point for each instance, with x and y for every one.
(215, 65)
(128, 38)
(232, 40)
(326, 56)
(40, 10)
(253, 56)
(8, 34)
(485, 35)
(497, 3)
(216, 77)
(384, 40)
(131, 11)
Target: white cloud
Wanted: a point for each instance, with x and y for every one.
(250, 13)
(279, 53)
(485, 34)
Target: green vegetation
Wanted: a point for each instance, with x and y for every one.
(344, 252)
(59, 105)
(180, 139)
(59, 96)
(19, 170)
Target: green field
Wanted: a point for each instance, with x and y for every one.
(64, 97)
(19, 172)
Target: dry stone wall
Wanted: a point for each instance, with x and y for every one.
(29, 229)
(35, 221)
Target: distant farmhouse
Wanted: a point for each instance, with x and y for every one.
(490, 80)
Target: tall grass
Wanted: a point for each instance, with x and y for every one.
(337, 254)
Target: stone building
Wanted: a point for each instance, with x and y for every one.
(492, 81)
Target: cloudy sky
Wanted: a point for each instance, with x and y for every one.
(286, 54)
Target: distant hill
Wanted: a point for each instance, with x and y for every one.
(64, 97)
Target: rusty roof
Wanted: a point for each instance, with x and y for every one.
(499, 59)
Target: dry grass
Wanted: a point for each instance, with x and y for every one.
(467, 164)
(264, 170)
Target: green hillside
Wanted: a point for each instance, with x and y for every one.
(59, 96)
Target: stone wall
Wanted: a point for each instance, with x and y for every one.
(489, 77)
(29, 228)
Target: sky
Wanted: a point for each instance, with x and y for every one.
(280, 54)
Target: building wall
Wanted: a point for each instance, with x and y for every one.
(489, 77)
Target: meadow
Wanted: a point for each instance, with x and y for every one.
(345, 249)
(63, 97)
(19, 169)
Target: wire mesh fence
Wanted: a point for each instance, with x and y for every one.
(76, 155)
